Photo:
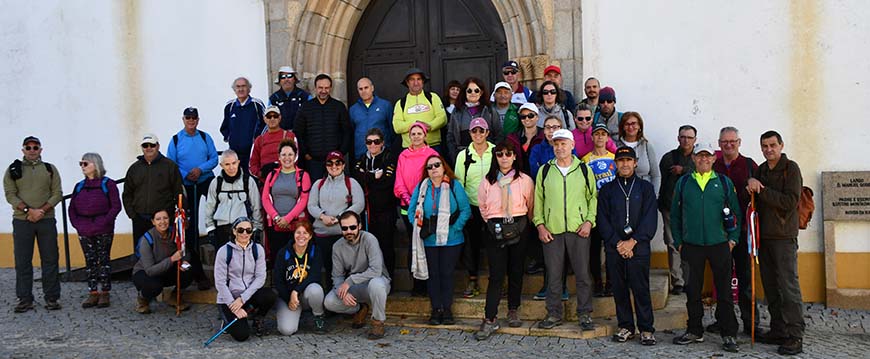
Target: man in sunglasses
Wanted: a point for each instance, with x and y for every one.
(152, 183)
(25, 184)
(510, 70)
(288, 98)
(370, 111)
(359, 277)
(607, 113)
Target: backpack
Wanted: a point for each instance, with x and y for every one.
(16, 174)
(806, 206)
(175, 138)
(348, 198)
(547, 170)
(468, 162)
(245, 178)
(229, 251)
(427, 95)
(148, 238)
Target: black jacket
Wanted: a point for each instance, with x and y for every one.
(379, 192)
(151, 187)
(285, 265)
(322, 128)
(288, 104)
(642, 217)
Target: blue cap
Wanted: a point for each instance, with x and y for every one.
(511, 63)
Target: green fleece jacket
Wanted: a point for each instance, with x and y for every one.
(568, 201)
(36, 188)
(696, 215)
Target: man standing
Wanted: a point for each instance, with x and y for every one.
(507, 112)
(521, 94)
(288, 98)
(777, 186)
(674, 165)
(554, 73)
(359, 277)
(701, 234)
(243, 120)
(627, 221)
(33, 189)
(322, 126)
(607, 113)
(566, 228)
(591, 87)
(739, 169)
(194, 153)
(152, 183)
(370, 111)
(413, 108)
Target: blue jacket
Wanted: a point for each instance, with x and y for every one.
(193, 151)
(642, 217)
(379, 114)
(541, 154)
(242, 124)
(458, 202)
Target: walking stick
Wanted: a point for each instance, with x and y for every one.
(179, 243)
(753, 257)
(207, 342)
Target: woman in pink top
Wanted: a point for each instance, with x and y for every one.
(505, 196)
(583, 143)
(285, 197)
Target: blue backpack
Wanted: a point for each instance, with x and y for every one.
(148, 238)
(229, 251)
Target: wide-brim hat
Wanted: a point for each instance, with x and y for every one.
(411, 71)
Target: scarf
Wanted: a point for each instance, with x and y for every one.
(419, 267)
(504, 182)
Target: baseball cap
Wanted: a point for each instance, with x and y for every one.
(600, 126)
(31, 139)
(274, 109)
(704, 147)
(563, 134)
(149, 138)
(511, 63)
(191, 112)
(478, 122)
(553, 68)
(335, 155)
(529, 106)
(501, 85)
(625, 152)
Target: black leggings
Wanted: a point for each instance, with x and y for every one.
(259, 305)
(475, 232)
(151, 287)
(506, 260)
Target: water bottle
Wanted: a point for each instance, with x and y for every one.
(729, 220)
(498, 234)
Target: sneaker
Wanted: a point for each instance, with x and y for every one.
(471, 290)
(714, 328)
(792, 346)
(103, 302)
(541, 294)
(623, 335)
(688, 338)
(550, 323)
(513, 319)
(488, 327)
(91, 301)
(647, 338)
(142, 305)
(377, 330)
(436, 317)
(565, 295)
(677, 290)
(52, 304)
(535, 268)
(729, 344)
(770, 337)
(359, 319)
(24, 305)
(319, 324)
(586, 323)
(260, 327)
(447, 319)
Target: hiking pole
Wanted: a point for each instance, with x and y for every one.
(753, 258)
(207, 342)
(179, 243)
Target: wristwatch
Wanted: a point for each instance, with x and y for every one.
(26, 209)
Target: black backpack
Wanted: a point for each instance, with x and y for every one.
(175, 138)
(427, 95)
(16, 173)
(218, 191)
(547, 170)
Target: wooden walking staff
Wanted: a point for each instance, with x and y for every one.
(180, 220)
(752, 246)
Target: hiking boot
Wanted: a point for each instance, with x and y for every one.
(541, 294)
(436, 317)
(448, 317)
(647, 338)
(791, 346)
(586, 323)
(172, 301)
(488, 327)
(471, 290)
(771, 337)
(359, 319)
(550, 323)
(260, 329)
(103, 302)
(319, 324)
(52, 304)
(24, 305)
(623, 335)
(513, 319)
(729, 344)
(688, 338)
(714, 328)
(377, 330)
(91, 301)
(677, 290)
(142, 305)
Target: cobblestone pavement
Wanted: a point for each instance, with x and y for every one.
(120, 332)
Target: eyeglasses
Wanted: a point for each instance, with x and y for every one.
(286, 76)
(432, 166)
(84, 163)
(501, 154)
(149, 145)
(471, 90)
(247, 230)
(334, 163)
(349, 228)
(608, 101)
(549, 92)
(509, 72)
(729, 142)
(31, 148)
(686, 137)
(376, 141)
(529, 116)
(582, 118)
(632, 124)
(478, 130)
(271, 116)
(191, 118)
(553, 127)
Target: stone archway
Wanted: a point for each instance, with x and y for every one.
(315, 36)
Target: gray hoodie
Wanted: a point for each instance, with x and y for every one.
(245, 274)
(331, 200)
(357, 263)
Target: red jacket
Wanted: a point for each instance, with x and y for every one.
(265, 149)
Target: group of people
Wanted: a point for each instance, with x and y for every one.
(505, 175)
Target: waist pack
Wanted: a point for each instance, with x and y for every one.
(430, 225)
(506, 231)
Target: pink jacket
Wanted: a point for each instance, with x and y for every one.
(298, 210)
(409, 171)
(522, 198)
(583, 142)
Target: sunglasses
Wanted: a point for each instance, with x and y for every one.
(349, 228)
(190, 118)
(433, 166)
(553, 127)
(477, 90)
(509, 72)
(286, 76)
(686, 137)
(582, 118)
(374, 142)
(334, 163)
(501, 154)
(549, 92)
(247, 230)
(31, 148)
(608, 101)
(478, 130)
(149, 145)
(529, 116)
(271, 116)
(84, 163)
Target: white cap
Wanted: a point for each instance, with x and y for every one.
(529, 106)
(703, 147)
(149, 138)
(563, 134)
(500, 85)
(272, 108)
